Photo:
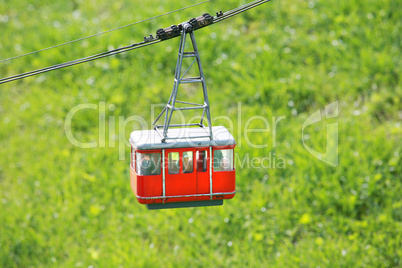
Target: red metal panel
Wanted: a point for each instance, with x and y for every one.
(224, 181)
(223, 147)
(149, 185)
(133, 181)
(146, 186)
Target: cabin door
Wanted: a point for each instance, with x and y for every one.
(180, 174)
(202, 170)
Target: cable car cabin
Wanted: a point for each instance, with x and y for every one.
(185, 172)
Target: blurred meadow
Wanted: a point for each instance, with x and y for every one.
(61, 205)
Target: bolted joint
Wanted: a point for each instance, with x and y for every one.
(188, 28)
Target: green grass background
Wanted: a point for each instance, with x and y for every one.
(61, 205)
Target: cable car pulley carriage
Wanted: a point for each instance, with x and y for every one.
(183, 165)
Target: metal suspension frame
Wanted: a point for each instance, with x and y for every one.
(179, 79)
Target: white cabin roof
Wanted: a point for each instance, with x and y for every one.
(151, 140)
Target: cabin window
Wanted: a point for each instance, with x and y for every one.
(148, 164)
(188, 162)
(201, 161)
(223, 160)
(174, 163)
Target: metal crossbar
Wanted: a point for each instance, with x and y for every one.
(184, 195)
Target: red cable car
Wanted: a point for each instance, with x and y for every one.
(185, 172)
(185, 165)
